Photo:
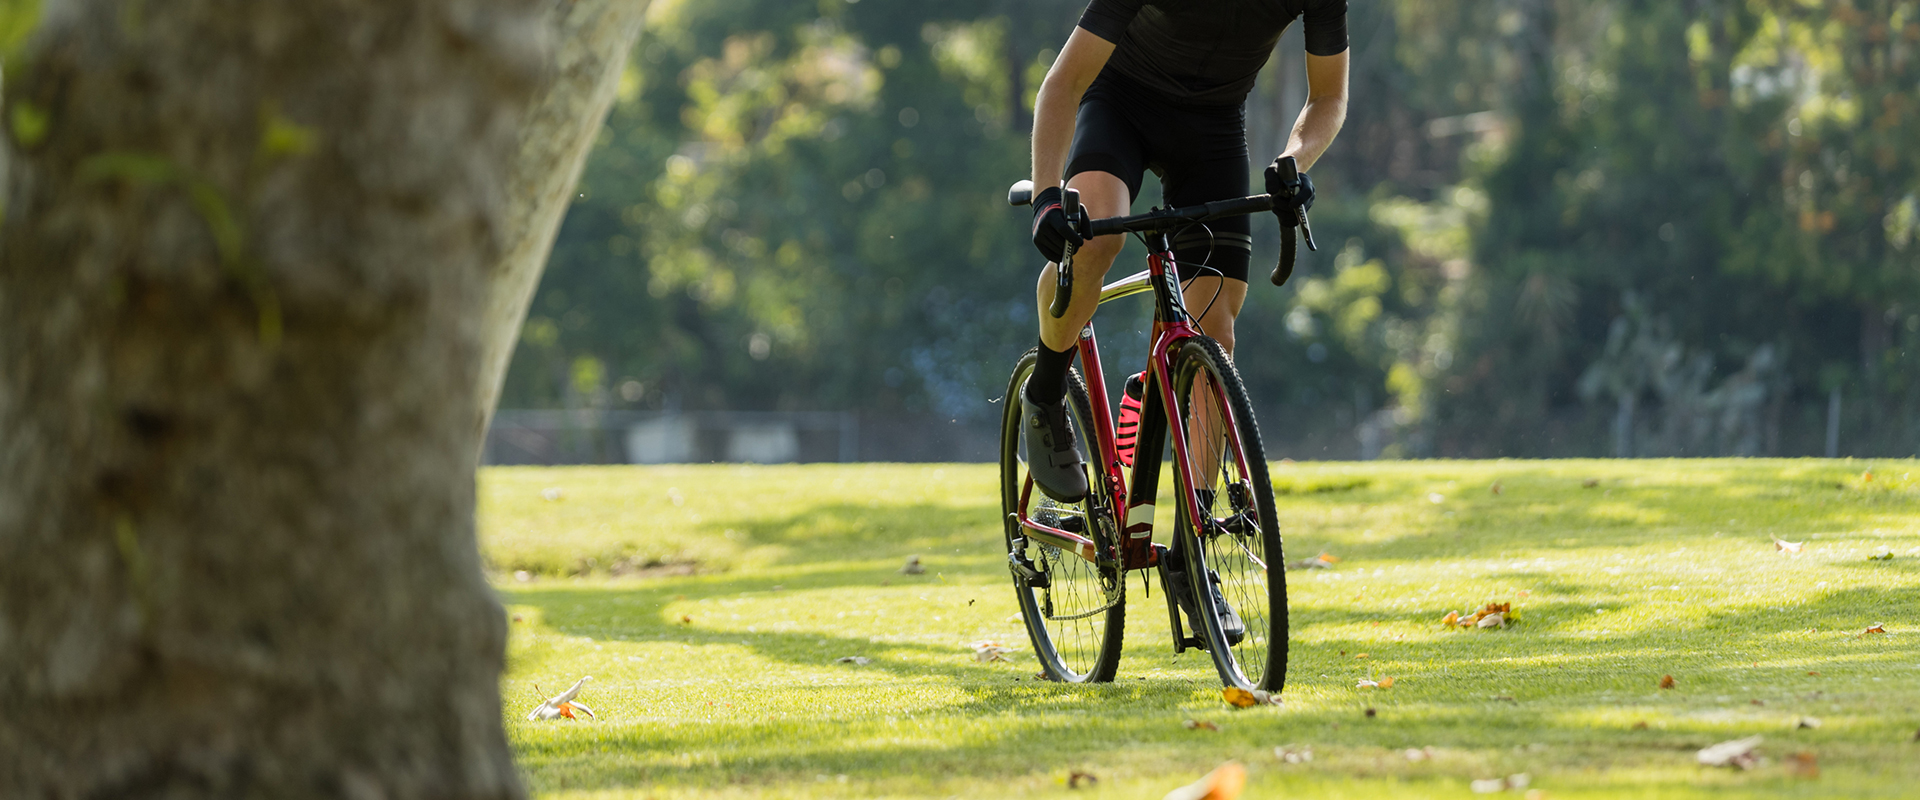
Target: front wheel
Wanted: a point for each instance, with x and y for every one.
(1075, 610)
(1237, 538)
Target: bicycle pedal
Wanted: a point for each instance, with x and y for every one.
(1240, 524)
(1024, 569)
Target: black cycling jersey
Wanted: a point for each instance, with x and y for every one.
(1207, 52)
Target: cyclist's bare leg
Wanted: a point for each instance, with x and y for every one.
(1103, 195)
(1216, 303)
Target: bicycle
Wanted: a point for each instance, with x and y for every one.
(1069, 561)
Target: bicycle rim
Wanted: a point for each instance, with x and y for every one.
(1240, 542)
(1076, 618)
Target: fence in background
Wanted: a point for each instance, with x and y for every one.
(698, 437)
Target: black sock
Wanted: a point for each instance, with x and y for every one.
(1049, 381)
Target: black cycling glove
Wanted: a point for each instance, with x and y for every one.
(1300, 200)
(1051, 231)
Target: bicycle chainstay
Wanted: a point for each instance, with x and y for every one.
(1114, 589)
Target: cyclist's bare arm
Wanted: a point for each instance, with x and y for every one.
(1324, 113)
(1058, 103)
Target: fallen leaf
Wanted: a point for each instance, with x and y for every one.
(1386, 682)
(1666, 682)
(1371, 713)
(1735, 753)
(1785, 546)
(1224, 783)
(1248, 698)
(686, 620)
(1496, 487)
(1757, 701)
(858, 661)
(1292, 755)
(1805, 765)
(1322, 561)
(913, 566)
(1881, 553)
(1814, 673)
(1874, 628)
(987, 652)
(1590, 483)
(1640, 725)
(1076, 778)
(1359, 655)
(562, 704)
(1493, 620)
(1367, 684)
(1808, 723)
(1452, 618)
(1200, 725)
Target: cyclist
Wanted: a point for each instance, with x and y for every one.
(1160, 85)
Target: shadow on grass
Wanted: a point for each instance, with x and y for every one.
(1543, 682)
(847, 531)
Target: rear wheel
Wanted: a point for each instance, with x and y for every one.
(1238, 539)
(1074, 610)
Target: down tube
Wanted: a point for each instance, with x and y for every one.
(1109, 460)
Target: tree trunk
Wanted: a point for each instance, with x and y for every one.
(243, 272)
(592, 38)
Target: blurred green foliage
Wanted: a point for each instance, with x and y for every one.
(799, 206)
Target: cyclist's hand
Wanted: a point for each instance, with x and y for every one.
(1300, 200)
(1051, 230)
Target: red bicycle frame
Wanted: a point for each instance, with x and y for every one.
(1172, 325)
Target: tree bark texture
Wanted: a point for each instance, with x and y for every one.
(591, 41)
(242, 279)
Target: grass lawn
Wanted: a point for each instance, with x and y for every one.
(709, 604)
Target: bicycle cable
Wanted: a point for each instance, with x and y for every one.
(1206, 265)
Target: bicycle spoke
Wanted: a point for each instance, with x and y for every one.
(1074, 609)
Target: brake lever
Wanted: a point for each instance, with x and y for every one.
(1063, 278)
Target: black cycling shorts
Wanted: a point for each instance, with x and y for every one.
(1199, 152)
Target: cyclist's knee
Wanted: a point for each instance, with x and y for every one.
(1222, 331)
(1097, 255)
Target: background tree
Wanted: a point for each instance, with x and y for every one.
(797, 206)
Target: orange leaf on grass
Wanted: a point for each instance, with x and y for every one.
(1201, 725)
(1666, 682)
(1245, 698)
(1224, 783)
